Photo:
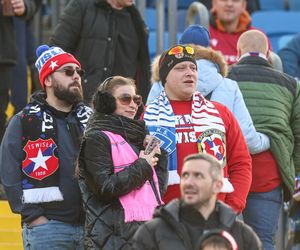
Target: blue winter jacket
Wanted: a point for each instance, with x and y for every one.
(211, 80)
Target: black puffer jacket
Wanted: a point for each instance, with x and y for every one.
(89, 30)
(101, 188)
(168, 231)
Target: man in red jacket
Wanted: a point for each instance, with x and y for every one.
(229, 19)
(187, 123)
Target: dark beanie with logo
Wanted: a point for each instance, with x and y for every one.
(173, 56)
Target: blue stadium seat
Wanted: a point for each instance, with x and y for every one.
(152, 42)
(276, 24)
(283, 40)
(267, 5)
(294, 5)
(181, 20)
(181, 4)
(150, 18)
(184, 4)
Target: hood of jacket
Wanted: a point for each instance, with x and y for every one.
(170, 214)
(212, 69)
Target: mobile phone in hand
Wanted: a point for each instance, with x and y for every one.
(153, 142)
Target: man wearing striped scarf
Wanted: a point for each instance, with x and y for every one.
(187, 123)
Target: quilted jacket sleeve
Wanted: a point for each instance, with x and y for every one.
(295, 124)
(97, 165)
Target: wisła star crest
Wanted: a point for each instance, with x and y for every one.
(40, 161)
(213, 142)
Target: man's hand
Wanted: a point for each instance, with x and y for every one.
(38, 221)
(18, 7)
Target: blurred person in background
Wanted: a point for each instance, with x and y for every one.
(290, 57)
(24, 9)
(109, 38)
(18, 9)
(228, 20)
(252, 5)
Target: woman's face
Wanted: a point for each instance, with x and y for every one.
(125, 96)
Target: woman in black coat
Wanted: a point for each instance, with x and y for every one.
(120, 188)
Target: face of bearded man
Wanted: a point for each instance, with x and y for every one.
(70, 93)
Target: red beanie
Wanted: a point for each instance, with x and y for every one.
(50, 59)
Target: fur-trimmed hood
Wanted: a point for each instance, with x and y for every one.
(200, 53)
(213, 56)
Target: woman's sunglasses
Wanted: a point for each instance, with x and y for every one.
(126, 99)
(69, 71)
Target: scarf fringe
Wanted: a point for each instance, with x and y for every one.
(136, 213)
(227, 186)
(174, 178)
(38, 195)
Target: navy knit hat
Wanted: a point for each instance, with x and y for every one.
(195, 34)
(173, 56)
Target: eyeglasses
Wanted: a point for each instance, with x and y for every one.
(69, 71)
(179, 49)
(126, 99)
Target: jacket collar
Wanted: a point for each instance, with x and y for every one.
(254, 60)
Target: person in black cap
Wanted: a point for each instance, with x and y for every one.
(214, 85)
(188, 123)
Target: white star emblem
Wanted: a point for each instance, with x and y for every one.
(214, 42)
(215, 149)
(40, 161)
(53, 65)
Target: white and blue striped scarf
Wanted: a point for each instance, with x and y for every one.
(160, 119)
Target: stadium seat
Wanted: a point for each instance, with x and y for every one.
(150, 18)
(267, 5)
(152, 42)
(276, 24)
(294, 5)
(181, 20)
(181, 4)
(283, 40)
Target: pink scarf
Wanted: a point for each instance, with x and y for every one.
(140, 203)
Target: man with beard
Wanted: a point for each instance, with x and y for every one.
(180, 224)
(38, 153)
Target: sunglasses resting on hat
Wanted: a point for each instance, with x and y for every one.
(70, 71)
(179, 49)
(126, 99)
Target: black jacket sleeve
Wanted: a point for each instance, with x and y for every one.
(66, 33)
(97, 166)
(162, 172)
(31, 7)
(143, 239)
